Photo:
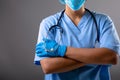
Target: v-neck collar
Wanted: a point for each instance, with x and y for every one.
(81, 22)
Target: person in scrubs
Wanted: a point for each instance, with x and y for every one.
(78, 55)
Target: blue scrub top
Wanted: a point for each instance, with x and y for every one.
(83, 35)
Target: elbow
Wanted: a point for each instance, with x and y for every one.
(114, 60)
(46, 68)
(111, 57)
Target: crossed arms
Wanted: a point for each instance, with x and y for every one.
(79, 57)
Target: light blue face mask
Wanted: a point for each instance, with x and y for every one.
(75, 4)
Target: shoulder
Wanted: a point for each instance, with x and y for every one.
(102, 17)
(51, 20)
(103, 20)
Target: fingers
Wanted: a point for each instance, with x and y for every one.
(49, 41)
(47, 44)
(40, 44)
(46, 40)
(39, 48)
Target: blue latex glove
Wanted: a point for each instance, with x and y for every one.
(50, 48)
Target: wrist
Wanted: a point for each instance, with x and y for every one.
(62, 50)
(69, 51)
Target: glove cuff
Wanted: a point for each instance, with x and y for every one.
(62, 50)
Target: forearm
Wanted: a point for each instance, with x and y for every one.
(58, 65)
(92, 55)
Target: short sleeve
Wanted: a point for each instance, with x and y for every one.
(43, 30)
(108, 35)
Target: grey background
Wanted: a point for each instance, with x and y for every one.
(19, 24)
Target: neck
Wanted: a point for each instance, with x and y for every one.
(76, 14)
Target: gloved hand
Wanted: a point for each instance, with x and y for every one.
(50, 48)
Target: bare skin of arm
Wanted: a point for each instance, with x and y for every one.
(93, 55)
(58, 65)
(78, 57)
